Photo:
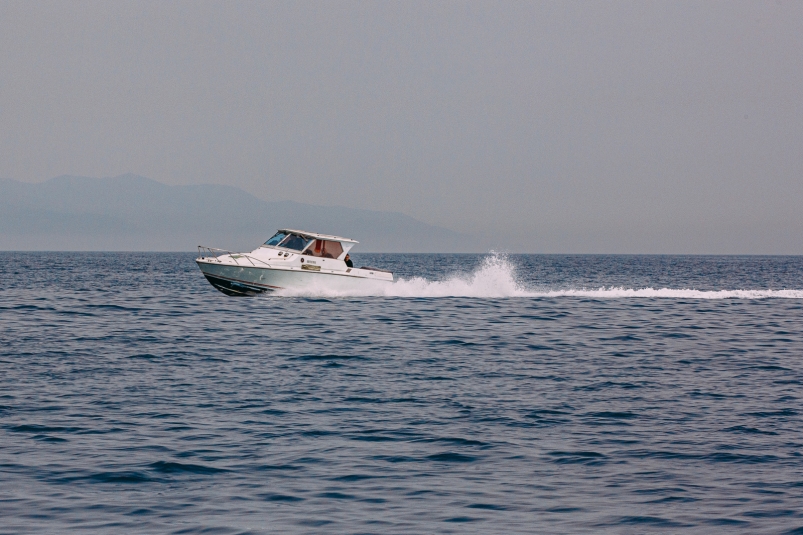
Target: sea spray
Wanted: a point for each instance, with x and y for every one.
(496, 278)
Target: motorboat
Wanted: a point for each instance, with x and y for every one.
(291, 259)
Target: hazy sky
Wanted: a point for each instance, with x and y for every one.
(554, 126)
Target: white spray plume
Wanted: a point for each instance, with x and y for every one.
(495, 278)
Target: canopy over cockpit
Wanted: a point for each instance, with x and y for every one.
(311, 243)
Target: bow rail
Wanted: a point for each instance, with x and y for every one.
(204, 252)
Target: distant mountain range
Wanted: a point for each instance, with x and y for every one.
(134, 213)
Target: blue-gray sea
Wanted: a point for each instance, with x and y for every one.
(480, 394)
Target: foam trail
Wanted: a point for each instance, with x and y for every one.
(620, 293)
(496, 278)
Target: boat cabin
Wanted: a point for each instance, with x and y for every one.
(311, 243)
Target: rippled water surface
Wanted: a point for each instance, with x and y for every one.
(522, 394)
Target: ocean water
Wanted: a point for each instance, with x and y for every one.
(479, 394)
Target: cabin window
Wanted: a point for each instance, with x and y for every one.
(325, 249)
(279, 236)
(294, 242)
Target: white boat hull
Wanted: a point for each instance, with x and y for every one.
(249, 280)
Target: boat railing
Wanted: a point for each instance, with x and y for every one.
(236, 257)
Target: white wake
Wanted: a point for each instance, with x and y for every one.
(496, 278)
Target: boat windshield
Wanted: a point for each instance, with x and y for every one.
(279, 236)
(294, 242)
